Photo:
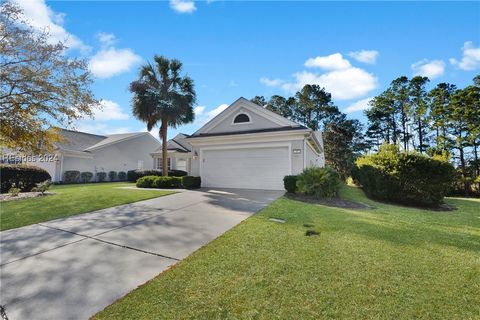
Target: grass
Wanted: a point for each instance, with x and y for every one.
(70, 200)
(387, 263)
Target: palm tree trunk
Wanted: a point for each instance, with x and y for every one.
(163, 136)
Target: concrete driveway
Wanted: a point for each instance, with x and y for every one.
(72, 268)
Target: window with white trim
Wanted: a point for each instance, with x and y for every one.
(160, 163)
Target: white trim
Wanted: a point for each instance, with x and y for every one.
(250, 137)
(304, 153)
(239, 123)
(247, 146)
(311, 147)
(250, 106)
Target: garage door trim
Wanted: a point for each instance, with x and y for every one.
(249, 146)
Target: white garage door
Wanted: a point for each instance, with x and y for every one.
(253, 168)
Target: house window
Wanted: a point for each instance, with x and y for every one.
(181, 164)
(160, 162)
(241, 118)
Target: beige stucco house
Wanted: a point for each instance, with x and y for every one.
(245, 146)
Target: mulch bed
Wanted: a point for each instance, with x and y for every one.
(335, 202)
(22, 195)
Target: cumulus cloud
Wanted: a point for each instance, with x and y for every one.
(109, 110)
(341, 79)
(183, 6)
(359, 105)
(470, 59)
(42, 18)
(332, 62)
(110, 61)
(202, 116)
(365, 56)
(431, 69)
(106, 39)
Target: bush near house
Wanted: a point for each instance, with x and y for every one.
(167, 182)
(71, 176)
(112, 175)
(86, 176)
(190, 182)
(134, 175)
(42, 187)
(319, 182)
(101, 176)
(122, 175)
(290, 183)
(24, 177)
(402, 177)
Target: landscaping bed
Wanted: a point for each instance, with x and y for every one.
(23, 195)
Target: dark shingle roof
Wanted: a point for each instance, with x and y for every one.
(288, 128)
(77, 141)
(177, 143)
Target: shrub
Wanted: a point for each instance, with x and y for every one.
(402, 177)
(167, 182)
(112, 175)
(101, 176)
(290, 183)
(319, 182)
(190, 182)
(71, 176)
(86, 176)
(146, 182)
(134, 175)
(43, 186)
(21, 176)
(122, 175)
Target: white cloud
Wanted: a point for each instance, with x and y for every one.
(365, 56)
(470, 59)
(106, 39)
(183, 6)
(101, 128)
(360, 105)
(202, 116)
(431, 69)
(271, 82)
(345, 84)
(43, 18)
(332, 62)
(109, 62)
(109, 110)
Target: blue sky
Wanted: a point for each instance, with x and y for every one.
(234, 49)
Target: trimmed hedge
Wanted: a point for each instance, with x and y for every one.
(112, 175)
(122, 176)
(319, 182)
(101, 176)
(190, 182)
(86, 176)
(71, 176)
(24, 177)
(290, 183)
(134, 175)
(159, 182)
(402, 177)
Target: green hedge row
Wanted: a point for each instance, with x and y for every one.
(134, 175)
(402, 177)
(24, 177)
(187, 182)
(314, 181)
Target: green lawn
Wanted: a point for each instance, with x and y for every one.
(388, 263)
(69, 200)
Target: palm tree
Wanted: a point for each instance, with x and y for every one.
(163, 97)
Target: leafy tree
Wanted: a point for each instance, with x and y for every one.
(40, 87)
(401, 95)
(285, 107)
(259, 100)
(382, 119)
(419, 108)
(439, 100)
(161, 96)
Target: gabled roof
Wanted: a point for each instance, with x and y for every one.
(249, 131)
(247, 104)
(178, 144)
(76, 141)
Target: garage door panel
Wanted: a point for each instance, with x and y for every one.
(252, 168)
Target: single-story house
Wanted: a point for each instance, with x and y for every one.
(98, 153)
(245, 146)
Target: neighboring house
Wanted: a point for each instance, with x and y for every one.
(97, 153)
(246, 146)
